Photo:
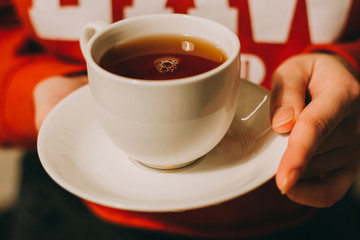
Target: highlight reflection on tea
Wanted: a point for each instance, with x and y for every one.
(162, 57)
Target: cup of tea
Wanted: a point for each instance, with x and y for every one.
(165, 86)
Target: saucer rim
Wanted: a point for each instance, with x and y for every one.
(134, 207)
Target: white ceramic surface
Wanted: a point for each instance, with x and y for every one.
(79, 156)
(170, 122)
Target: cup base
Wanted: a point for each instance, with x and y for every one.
(167, 167)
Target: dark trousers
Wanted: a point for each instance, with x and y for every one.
(46, 211)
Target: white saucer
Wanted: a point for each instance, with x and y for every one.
(77, 154)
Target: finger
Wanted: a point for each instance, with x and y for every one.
(344, 157)
(289, 84)
(41, 111)
(51, 91)
(345, 133)
(313, 125)
(44, 101)
(322, 192)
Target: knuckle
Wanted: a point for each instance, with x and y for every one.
(286, 95)
(320, 126)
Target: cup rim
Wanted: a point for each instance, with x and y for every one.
(194, 78)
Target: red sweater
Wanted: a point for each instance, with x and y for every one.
(41, 40)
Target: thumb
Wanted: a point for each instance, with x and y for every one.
(289, 84)
(288, 96)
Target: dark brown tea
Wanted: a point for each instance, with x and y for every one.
(162, 57)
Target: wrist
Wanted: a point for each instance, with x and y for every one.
(346, 53)
(340, 58)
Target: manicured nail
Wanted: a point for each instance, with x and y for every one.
(289, 181)
(282, 116)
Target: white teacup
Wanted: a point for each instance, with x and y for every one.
(163, 124)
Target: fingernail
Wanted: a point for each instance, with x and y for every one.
(289, 181)
(282, 116)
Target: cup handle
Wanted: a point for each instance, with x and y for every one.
(88, 31)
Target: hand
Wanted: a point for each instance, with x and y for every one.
(316, 97)
(51, 90)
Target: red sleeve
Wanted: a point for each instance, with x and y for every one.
(21, 69)
(349, 51)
